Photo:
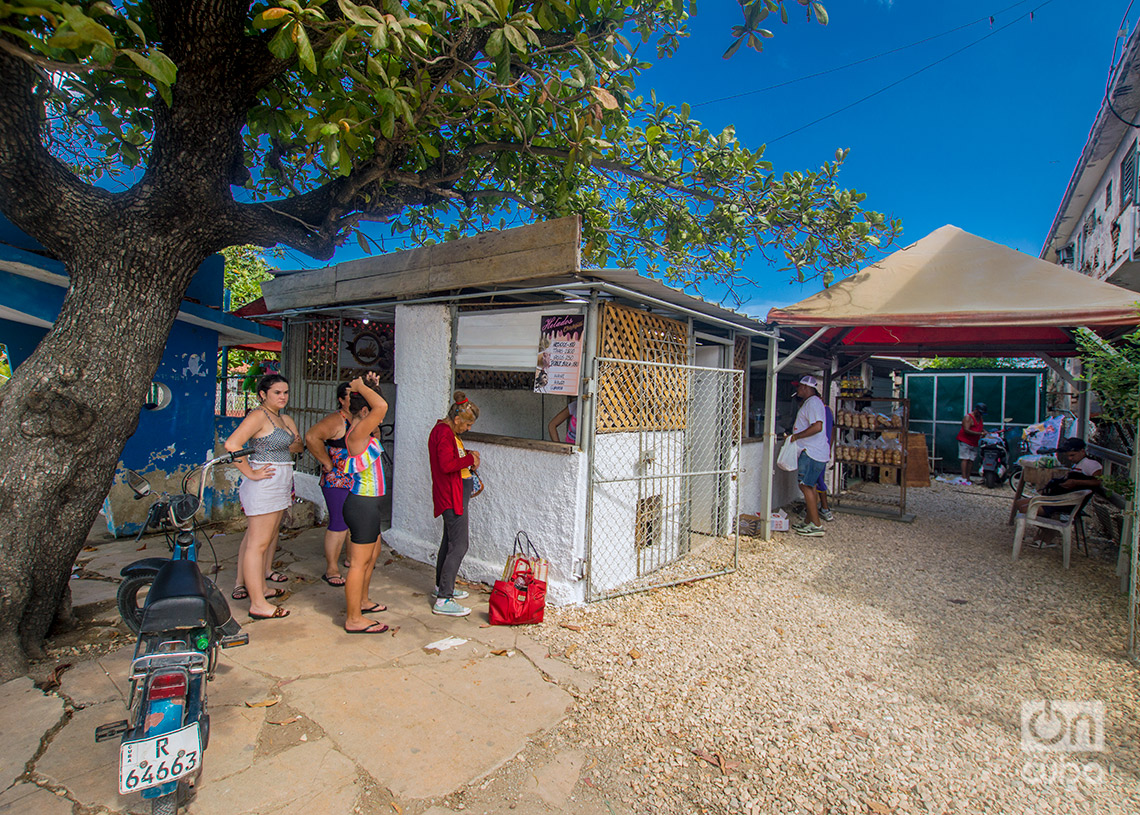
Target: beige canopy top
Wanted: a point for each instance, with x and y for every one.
(953, 292)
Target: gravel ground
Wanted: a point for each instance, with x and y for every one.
(881, 668)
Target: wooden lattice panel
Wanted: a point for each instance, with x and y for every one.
(740, 363)
(322, 343)
(642, 397)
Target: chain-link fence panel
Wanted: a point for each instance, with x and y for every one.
(664, 477)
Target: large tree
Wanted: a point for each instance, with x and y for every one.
(137, 137)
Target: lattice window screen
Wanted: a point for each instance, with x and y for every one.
(638, 402)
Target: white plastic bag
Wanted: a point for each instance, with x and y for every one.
(789, 458)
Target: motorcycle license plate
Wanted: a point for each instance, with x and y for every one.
(159, 759)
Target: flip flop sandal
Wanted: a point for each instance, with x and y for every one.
(277, 577)
(375, 608)
(273, 593)
(240, 593)
(375, 628)
(278, 614)
(332, 581)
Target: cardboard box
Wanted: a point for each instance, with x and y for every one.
(780, 522)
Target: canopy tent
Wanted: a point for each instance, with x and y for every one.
(949, 294)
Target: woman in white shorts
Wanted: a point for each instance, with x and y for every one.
(266, 489)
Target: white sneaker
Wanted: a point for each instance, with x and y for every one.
(457, 594)
(826, 514)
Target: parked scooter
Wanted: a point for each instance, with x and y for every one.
(181, 625)
(998, 452)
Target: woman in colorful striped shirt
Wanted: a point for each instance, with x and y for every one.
(362, 506)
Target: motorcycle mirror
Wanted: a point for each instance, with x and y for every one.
(139, 485)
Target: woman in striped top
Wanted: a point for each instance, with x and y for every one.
(362, 506)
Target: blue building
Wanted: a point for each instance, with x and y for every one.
(177, 428)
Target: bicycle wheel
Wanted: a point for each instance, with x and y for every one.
(130, 599)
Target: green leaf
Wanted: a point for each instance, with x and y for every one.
(732, 49)
(87, 28)
(820, 13)
(335, 53)
(282, 45)
(363, 242)
(305, 50)
(516, 39)
(494, 45)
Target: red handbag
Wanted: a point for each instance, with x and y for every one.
(521, 600)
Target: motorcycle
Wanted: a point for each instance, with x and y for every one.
(998, 452)
(182, 623)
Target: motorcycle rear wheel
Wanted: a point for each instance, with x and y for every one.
(990, 478)
(166, 805)
(129, 602)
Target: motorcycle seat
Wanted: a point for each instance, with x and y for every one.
(177, 599)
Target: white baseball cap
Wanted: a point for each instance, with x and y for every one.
(810, 381)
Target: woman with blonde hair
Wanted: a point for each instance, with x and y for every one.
(451, 486)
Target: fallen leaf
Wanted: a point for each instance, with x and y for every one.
(264, 702)
(141, 548)
(849, 673)
(834, 727)
(290, 720)
(779, 631)
(877, 807)
(633, 652)
(571, 626)
(389, 562)
(396, 807)
(485, 625)
(88, 549)
(395, 628)
(855, 731)
(571, 648)
(958, 602)
(701, 754)
(501, 652)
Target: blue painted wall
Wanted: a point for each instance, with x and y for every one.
(21, 339)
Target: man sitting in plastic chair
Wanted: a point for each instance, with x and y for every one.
(1084, 475)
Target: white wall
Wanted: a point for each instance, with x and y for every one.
(423, 394)
(1094, 253)
(784, 488)
(543, 493)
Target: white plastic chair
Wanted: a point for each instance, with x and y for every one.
(1074, 501)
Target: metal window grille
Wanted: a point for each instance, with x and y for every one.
(664, 475)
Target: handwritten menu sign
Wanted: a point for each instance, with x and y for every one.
(559, 354)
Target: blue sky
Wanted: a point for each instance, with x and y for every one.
(985, 140)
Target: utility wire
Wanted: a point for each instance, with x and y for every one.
(859, 61)
(1112, 65)
(912, 74)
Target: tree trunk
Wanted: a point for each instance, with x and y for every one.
(65, 416)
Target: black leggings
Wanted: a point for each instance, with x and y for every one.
(453, 547)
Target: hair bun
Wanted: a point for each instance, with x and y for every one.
(458, 396)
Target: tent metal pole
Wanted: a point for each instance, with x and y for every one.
(768, 465)
(1059, 369)
(807, 344)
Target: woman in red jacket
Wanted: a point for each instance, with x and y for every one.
(450, 492)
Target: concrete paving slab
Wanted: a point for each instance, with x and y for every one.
(312, 778)
(233, 685)
(88, 683)
(506, 690)
(233, 742)
(89, 770)
(557, 669)
(117, 666)
(412, 738)
(28, 799)
(89, 592)
(554, 782)
(29, 714)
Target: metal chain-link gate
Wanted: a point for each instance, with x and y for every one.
(664, 478)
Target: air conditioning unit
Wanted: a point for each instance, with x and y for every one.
(1065, 255)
